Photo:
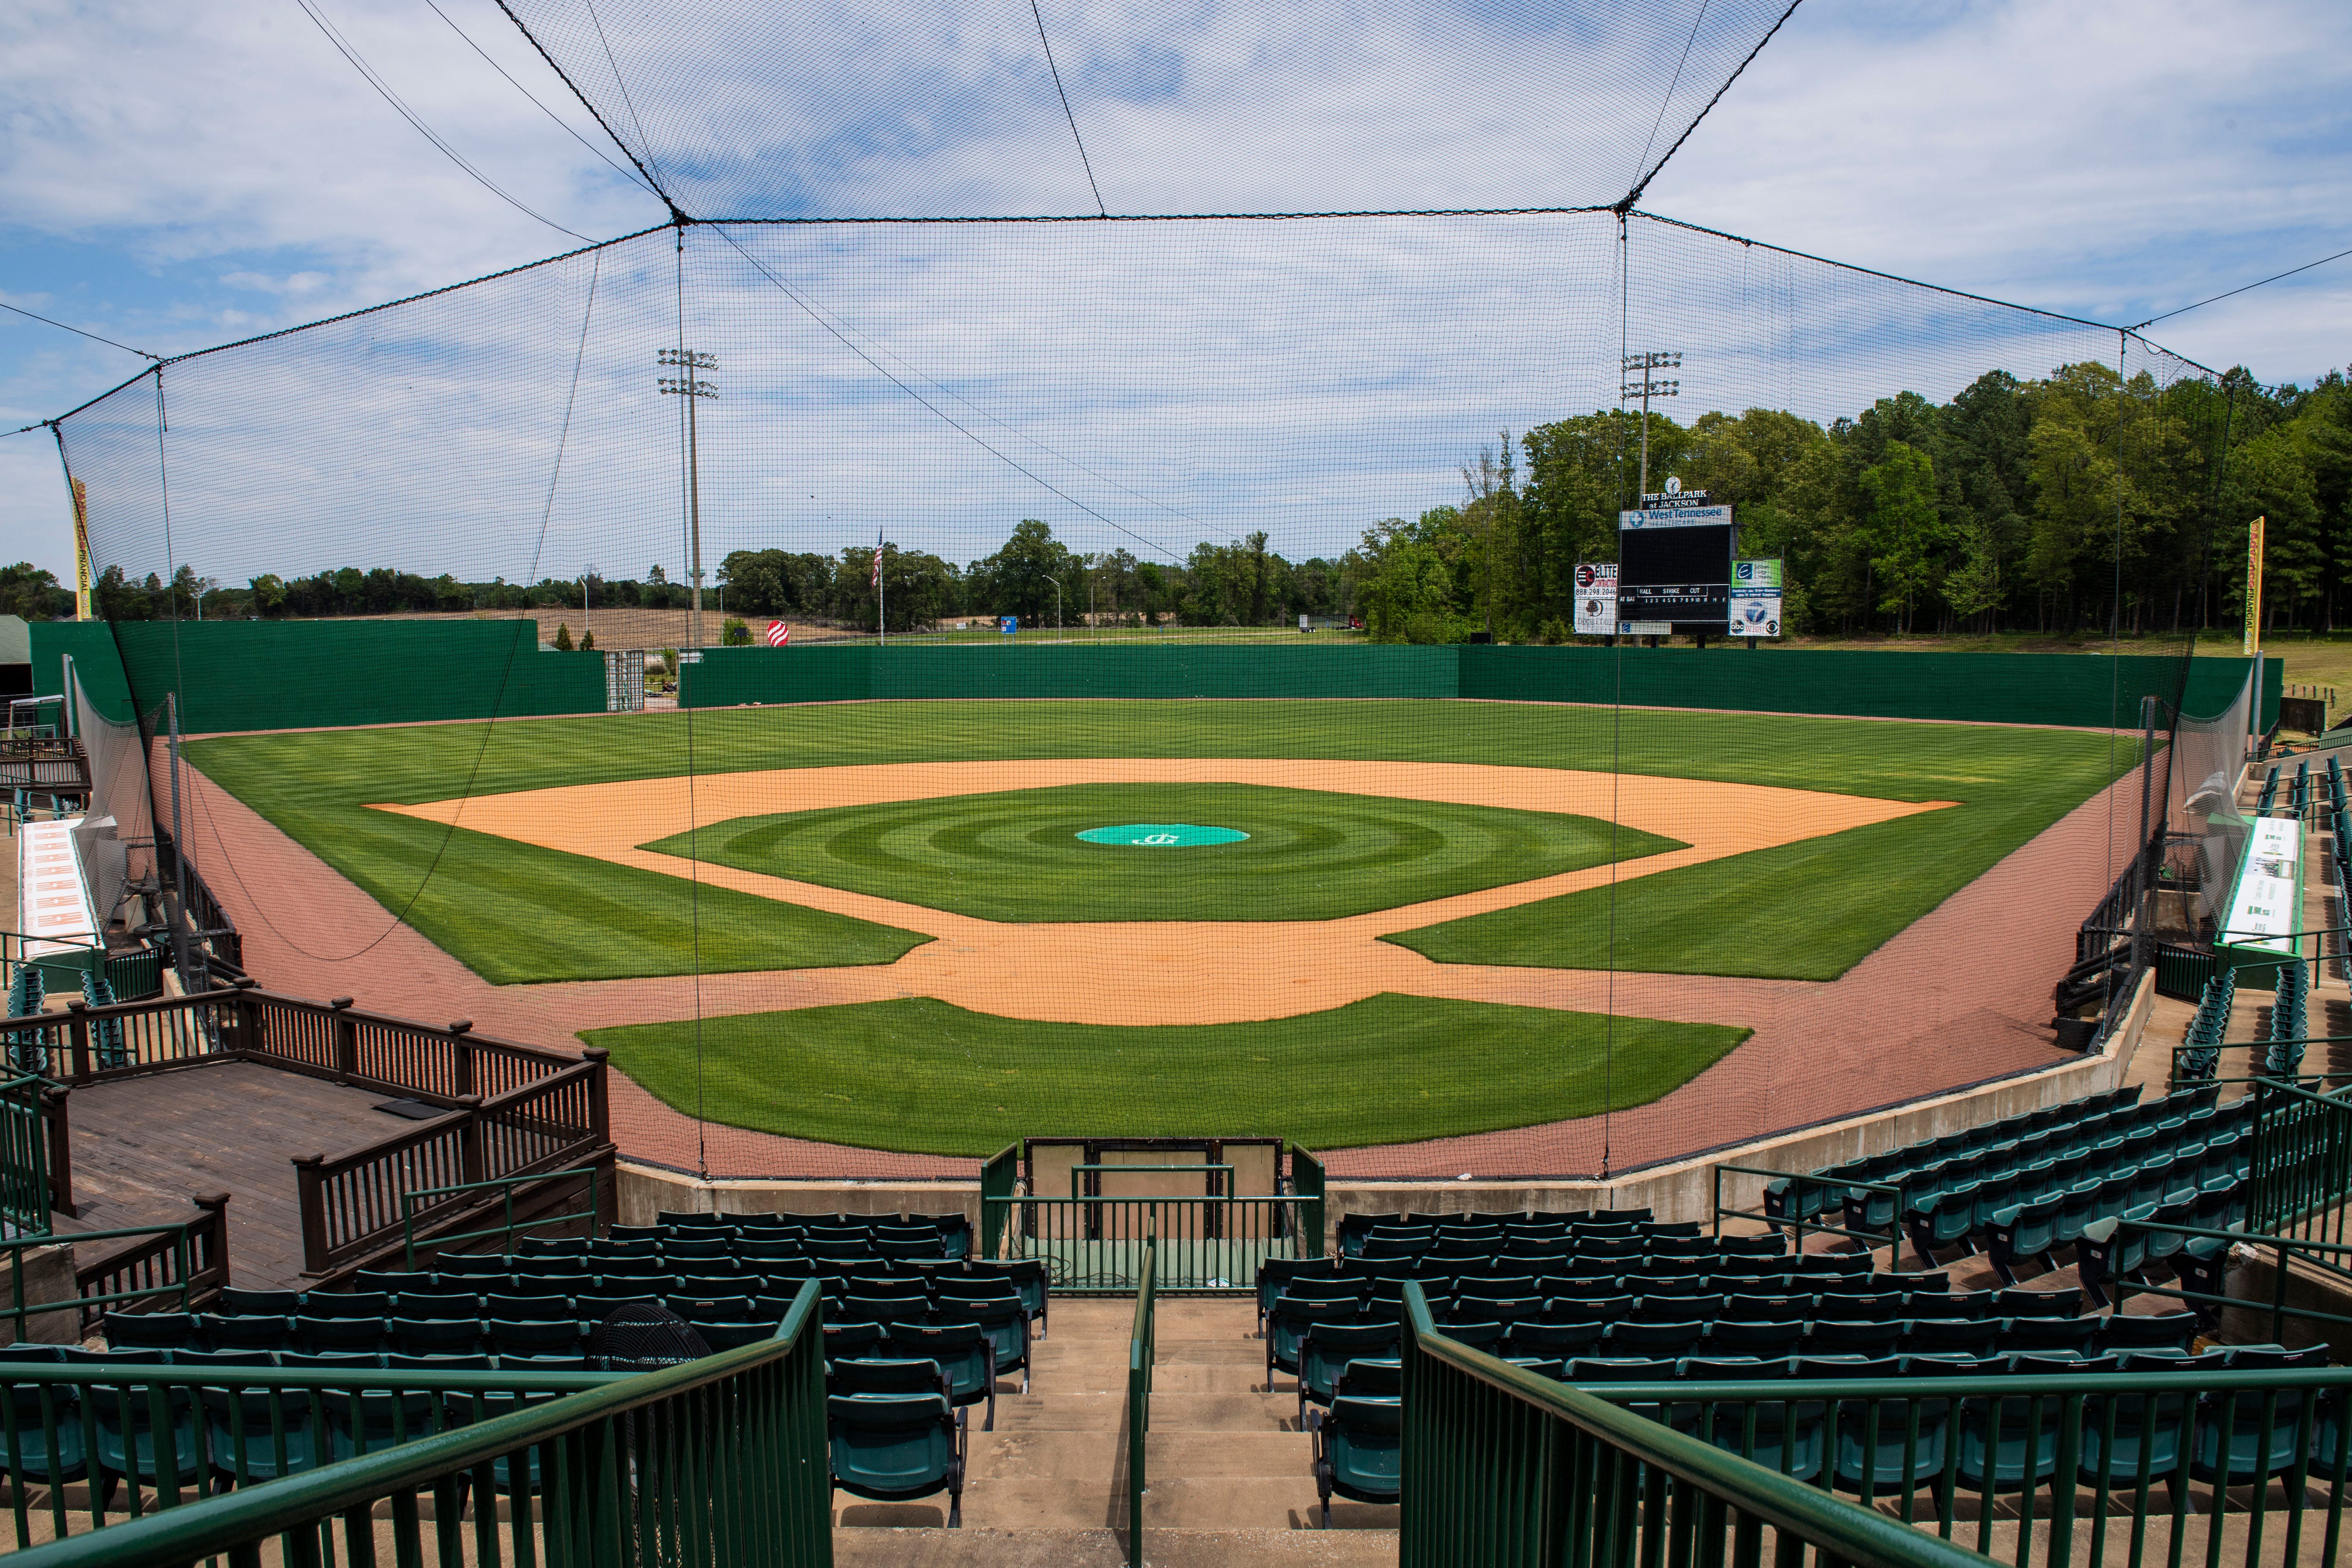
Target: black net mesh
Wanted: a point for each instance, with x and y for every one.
(1292, 802)
(923, 110)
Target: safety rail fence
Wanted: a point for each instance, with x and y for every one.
(1308, 1183)
(207, 922)
(1000, 1179)
(181, 1266)
(2301, 1165)
(2045, 1464)
(541, 1200)
(43, 765)
(356, 1205)
(1142, 1358)
(1500, 1464)
(721, 1460)
(2138, 1241)
(1098, 1243)
(26, 1174)
(2181, 970)
(1881, 1204)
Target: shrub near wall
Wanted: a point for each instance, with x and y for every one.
(292, 675)
(2091, 691)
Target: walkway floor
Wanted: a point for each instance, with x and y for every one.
(143, 1147)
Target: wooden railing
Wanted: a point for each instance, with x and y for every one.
(179, 1267)
(514, 1110)
(352, 1204)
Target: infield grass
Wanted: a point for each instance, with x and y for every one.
(514, 913)
(939, 1079)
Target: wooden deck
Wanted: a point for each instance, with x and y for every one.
(143, 1147)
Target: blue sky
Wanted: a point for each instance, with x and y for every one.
(174, 177)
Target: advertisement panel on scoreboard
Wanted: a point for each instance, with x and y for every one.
(1596, 599)
(1756, 598)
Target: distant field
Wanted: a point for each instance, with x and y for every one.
(517, 914)
(927, 1077)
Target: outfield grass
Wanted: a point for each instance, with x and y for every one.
(1015, 856)
(937, 1079)
(1806, 911)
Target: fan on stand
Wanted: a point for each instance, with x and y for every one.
(643, 1337)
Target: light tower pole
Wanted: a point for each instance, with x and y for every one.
(687, 385)
(1647, 387)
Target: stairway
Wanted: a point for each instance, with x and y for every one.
(1230, 1476)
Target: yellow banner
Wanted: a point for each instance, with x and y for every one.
(81, 551)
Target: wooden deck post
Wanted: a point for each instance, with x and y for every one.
(471, 1164)
(248, 1017)
(310, 1195)
(214, 1228)
(347, 1041)
(78, 1011)
(60, 1141)
(462, 1071)
(600, 1115)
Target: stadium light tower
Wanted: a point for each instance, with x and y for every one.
(1647, 387)
(689, 386)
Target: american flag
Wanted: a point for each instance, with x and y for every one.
(878, 564)
(779, 634)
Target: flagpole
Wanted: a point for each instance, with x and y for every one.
(881, 621)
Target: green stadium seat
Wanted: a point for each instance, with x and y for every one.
(1288, 1322)
(44, 1444)
(154, 1331)
(436, 1336)
(963, 1352)
(1761, 1340)
(1358, 1450)
(1380, 1377)
(1787, 1437)
(545, 1337)
(130, 1441)
(1564, 1339)
(1832, 1337)
(2121, 1333)
(1327, 1348)
(236, 1302)
(2252, 1436)
(250, 1333)
(350, 1335)
(897, 1449)
(1654, 1338)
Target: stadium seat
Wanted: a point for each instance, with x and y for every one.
(1358, 1452)
(129, 1441)
(897, 1448)
(963, 1352)
(236, 1302)
(1379, 1378)
(1327, 1348)
(1289, 1320)
(1785, 1437)
(154, 1331)
(44, 1444)
(552, 1337)
(252, 1334)
(2252, 1436)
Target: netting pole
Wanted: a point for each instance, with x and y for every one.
(180, 942)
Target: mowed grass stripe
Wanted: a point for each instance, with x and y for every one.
(1016, 856)
(923, 1077)
(1829, 905)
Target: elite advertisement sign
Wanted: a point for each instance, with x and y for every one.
(1596, 599)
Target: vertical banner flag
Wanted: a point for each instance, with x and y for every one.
(779, 634)
(1596, 599)
(1756, 598)
(81, 551)
(2254, 588)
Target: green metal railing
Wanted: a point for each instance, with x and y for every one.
(184, 1263)
(26, 1200)
(2282, 1249)
(1308, 1183)
(1098, 1245)
(2062, 1467)
(511, 1227)
(1142, 1357)
(1502, 1466)
(2300, 1170)
(715, 1463)
(1798, 1182)
(999, 1179)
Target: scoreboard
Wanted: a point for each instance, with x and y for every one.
(1674, 556)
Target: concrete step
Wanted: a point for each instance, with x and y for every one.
(1079, 1548)
(1171, 1411)
(1262, 1502)
(1213, 1455)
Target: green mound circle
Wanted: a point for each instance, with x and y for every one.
(1161, 834)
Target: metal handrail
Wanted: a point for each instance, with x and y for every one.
(182, 1267)
(1437, 1530)
(507, 1185)
(1142, 1357)
(234, 1523)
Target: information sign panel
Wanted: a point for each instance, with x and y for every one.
(1596, 599)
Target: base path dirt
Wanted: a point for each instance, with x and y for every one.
(1961, 995)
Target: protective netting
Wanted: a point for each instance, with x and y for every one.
(922, 110)
(1482, 896)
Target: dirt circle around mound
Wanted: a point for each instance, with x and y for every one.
(1157, 971)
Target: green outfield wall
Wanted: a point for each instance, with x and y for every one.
(293, 675)
(2088, 691)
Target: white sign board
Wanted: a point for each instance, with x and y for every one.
(1756, 598)
(1676, 517)
(2265, 909)
(1596, 600)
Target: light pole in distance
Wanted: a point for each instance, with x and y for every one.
(1647, 387)
(693, 389)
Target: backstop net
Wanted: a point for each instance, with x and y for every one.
(1146, 672)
